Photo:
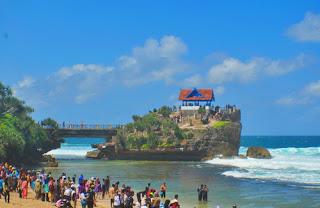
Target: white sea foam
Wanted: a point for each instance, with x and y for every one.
(293, 165)
(71, 151)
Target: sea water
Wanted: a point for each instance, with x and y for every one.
(290, 179)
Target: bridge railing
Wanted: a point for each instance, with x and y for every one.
(87, 126)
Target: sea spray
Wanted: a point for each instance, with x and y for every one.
(293, 165)
(75, 148)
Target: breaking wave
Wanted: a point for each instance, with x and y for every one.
(75, 148)
(289, 165)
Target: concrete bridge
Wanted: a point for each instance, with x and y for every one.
(87, 130)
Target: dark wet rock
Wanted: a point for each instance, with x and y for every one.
(95, 154)
(258, 152)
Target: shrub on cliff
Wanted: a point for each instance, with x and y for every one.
(130, 127)
(151, 130)
(221, 124)
(165, 111)
(140, 126)
(136, 117)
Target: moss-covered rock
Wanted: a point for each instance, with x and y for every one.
(258, 152)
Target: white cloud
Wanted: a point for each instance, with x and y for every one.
(293, 100)
(192, 82)
(306, 95)
(307, 30)
(173, 97)
(79, 82)
(312, 89)
(27, 81)
(233, 70)
(220, 90)
(155, 61)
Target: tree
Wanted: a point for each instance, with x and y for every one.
(139, 125)
(21, 138)
(151, 122)
(201, 111)
(165, 111)
(11, 105)
(136, 118)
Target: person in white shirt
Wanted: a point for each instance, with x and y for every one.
(117, 200)
(67, 193)
(83, 198)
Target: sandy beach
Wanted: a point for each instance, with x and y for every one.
(16, 202)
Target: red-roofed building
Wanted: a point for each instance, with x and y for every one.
(193, 98)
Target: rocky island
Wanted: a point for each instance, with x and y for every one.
(191, 132)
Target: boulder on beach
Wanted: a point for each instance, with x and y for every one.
(95, 154)
(258, 152)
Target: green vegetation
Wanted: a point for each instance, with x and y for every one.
(201, 110)
(136, 117)
(165, 111)
(153, 130)
(221, 124)
(21, 138)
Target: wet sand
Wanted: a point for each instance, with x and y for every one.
(16, 202)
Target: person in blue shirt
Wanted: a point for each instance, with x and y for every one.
(1, 187)
(80, 178)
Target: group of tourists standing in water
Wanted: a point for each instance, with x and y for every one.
(203, 193)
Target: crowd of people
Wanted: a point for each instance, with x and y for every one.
(67, 192)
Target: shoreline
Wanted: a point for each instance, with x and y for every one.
(16, 202)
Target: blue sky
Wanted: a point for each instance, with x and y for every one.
(102, 61)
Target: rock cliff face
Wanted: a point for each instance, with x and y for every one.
(218, 141)
(95, 154)
(208, 142)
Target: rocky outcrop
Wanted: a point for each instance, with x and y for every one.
(218, 141)
(95, 154)
(258, 152)
(53, 164)
(207, 143)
